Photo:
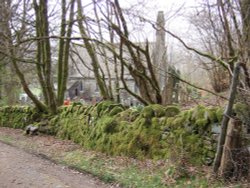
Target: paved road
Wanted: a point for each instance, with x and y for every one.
(19, 169)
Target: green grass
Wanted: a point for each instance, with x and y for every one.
(106, 170)
(127, 172)
(89, 164)
(130, 175)
(134, 177)
(6, 139)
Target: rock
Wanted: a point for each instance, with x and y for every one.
(31, 130)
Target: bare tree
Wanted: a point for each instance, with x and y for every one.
(28, 41)
(92, 53)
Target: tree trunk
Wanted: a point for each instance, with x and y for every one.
(64, 62)
(235, 159)
(168, 90)
(61, 53)
(1, 81)
(44, 54)
(40, 65)
(245, 15)
(40, 106)
(91, 51)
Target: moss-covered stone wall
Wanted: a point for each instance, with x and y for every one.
(141, 132)
(150, 132)
(18, 116)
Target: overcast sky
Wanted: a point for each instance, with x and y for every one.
(175, 12)
(176, 15)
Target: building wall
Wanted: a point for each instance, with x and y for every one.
(87, 91)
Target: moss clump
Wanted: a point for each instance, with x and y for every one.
(105, 107)
(210, 114)
(125, 115)
(159, 110)
(147, 112)
(18, 116)
(201, 122)
(219, 114)
(242, 111)
(116, 110)
(198, 112)
(108, 125)
(171, 111)
(156, 110)
(190, 131)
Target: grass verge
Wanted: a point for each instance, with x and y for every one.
(122, 171)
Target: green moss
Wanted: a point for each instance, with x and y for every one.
(219, 114)
(147, 112)
(242, 112)
(201, 122)
(156, 123)
(102, 106)
(18, 116)
(198, 112)
(159, 110)
(116, 110)
(125, 115)
(108, 124)
(169, 121)
(179, 121)
(171, 111)
(152, 132)
(133, 115)
(210, 114)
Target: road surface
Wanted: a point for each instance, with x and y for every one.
(19, 169)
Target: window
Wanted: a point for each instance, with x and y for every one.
(81, 86)
(96, 88)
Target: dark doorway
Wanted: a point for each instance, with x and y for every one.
(76, 92)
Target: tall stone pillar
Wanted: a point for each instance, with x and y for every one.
(159, 53)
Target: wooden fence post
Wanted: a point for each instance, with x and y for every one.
(225, 120)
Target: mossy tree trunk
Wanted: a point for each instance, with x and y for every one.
(64, 49)
(92, 53)
(168, 91)
(40, 65)
(44, 53)
(245, 16)
(44, 68)
(110, 11)
(1, 82)
(11, 50)
(61, 52)
(3, 76)
(43, 59)
(11, 88)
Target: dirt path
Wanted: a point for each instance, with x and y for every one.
(19, 169)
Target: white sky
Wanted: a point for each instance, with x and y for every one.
(175, 12)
